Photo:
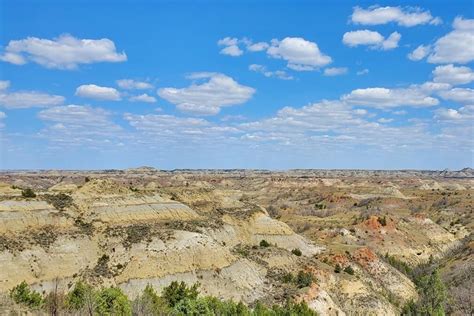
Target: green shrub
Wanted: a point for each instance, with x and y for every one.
(382, 221)
(338, 268)
(59, 201)
(218, 307)
(432, 296)
(296, 252)
(149, 303)
(292, 308)
(112, 301)
(320, 206)
(176, 292)
(399, 265)
(76, 299)
(264, 243)
(304, 279)
(349, 270)
(22, 294)
(192, 307)
(287, 278)
(28, 193)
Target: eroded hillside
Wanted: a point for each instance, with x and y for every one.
(143, 226)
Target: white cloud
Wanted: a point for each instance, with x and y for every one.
(228, 41)
(388, 98)
(407, 16)
(392, 41)
(419, 53)
(334, 124)
(300, 54)
(456, 46)
(372, 39)
(465, 113)
(384, 120)
(131, 84)
(430, 87)
(453, 75)
(447, 114)
(231, 46)
(363, 72)
(232, 50)
(280, 74)
(463, 95)
(257, 47)
(93, 91)
(76, 124)
(169, 129)
(209, 97)
(26, 99)
(64, 52)
(335, 71)
(143, 98)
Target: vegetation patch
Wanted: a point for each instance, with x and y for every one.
(136, 234)
(28, 193)
(59, 201)
(177, 299)
(11, 244)
(297, 252)
(301, 280)
(86, 228)
(102, 267)
(45, 237)
(22, 294)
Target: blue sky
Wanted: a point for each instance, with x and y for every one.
(236, 84)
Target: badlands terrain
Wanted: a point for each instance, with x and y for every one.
(243, 235)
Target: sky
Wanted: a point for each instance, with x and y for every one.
(236, 84)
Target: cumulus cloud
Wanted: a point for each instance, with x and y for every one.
(143, 98)
(257, 47)
(389, 98)
(130, 84)
(463, 95)
(455, 47)
(64, 52)
(334, 124)
(280, 74)
(26, 99)
(209, 97)
(300, 54)
(372, 39)
(453, 75)
(231, 47)
(170, 129)
(407, 16)
(72, 125)
(330, 72)
(419, 53)
(228, 41)
(233, 51)
(93, 91)
(465, 113)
